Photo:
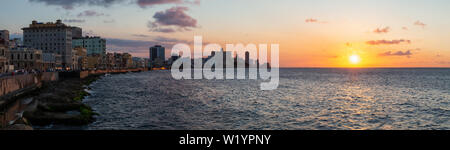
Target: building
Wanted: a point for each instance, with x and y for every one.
(138, 62)
(50, 38)
(75, 58)
(127, 60)
(51, 62)
(109, 60)
(94, 45)
(174, 58)
(4, 37)
(77, 32)
(15, 42)
(26, 58)
(94, 61)
(4, 61)
(81, 53)
(157, 52)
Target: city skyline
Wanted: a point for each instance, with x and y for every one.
(320, 33)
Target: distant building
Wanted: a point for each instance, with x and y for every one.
(94, 61)
(138, 62)
(4, 37)
(94, 45)
(127, 60)
(15, 42)
(50, 38)
(81, 53)
(172, 59)
(157, 52)
(26, 58)
(123, 60)
(51, 61)
(4, 61)
(77, 32)
(109, 60)
(247, 59)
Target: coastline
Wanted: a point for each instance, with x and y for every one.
(59, 102)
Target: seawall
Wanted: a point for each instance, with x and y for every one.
(13, 86)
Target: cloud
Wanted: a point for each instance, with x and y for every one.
(140, 35)
(382, 30)
(311, 20)
(419, 23)
(89, 33)
(443, 62)
(74, 20)
(398, 53)
(70, 4)
(146, 3)
(116, 42)
(387, 42)
(348, 44)
(172, 20)
(90, 13)
(141, 46)
(109, 21)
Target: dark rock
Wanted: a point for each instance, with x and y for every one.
(19, 127)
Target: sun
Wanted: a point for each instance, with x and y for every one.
(354, 59)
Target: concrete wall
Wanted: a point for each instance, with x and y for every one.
(14, 83)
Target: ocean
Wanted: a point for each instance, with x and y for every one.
(317, 99)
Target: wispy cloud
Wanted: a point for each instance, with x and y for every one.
(70, 4)
(90, 13)
(141, 46)
(388, 42)
(74, 20)
(147, 3)
(140, 35)
(109, 21)
(397, 53)
(419, 23)
(381, 30)
(172, 20)
(310, 20)
(313, 20)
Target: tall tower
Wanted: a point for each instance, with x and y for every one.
(157, 52)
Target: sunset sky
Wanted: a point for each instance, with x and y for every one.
(311, 33)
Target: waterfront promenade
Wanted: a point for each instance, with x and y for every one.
(20, 92)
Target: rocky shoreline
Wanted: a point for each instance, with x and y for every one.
(58, 103)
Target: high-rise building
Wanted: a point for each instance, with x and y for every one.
(247, 59)
(4, 37)
(94, 45)
(50, 38)
(157, 52)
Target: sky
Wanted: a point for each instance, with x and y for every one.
(311, 33)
